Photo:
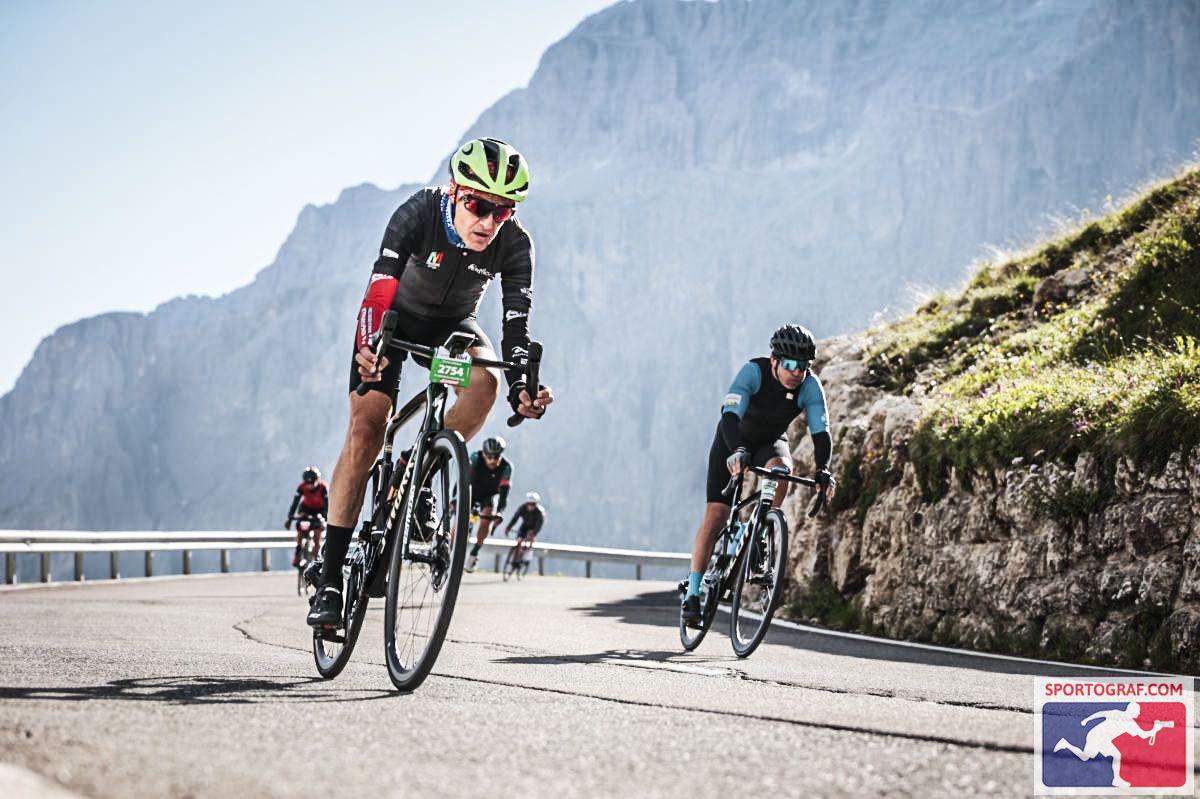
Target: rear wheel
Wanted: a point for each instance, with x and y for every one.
(426, 564)
(710, 590)
(332, 648)
(759, 585)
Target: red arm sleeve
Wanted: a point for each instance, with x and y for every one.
(370, 316)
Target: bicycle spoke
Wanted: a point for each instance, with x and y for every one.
(423, 580)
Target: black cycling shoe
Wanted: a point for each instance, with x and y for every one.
(326, 608)
(689, 611)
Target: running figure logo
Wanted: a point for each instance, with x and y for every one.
(1114, 747)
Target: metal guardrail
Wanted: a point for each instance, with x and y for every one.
(48, 542)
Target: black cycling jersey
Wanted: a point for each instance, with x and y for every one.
(487, 483)
(439, 280)
(765, 408)
(531, 516)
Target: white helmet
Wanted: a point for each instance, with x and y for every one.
(533, 496)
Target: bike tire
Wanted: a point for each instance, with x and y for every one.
(691, 637)
(758, 590)
(330, 656)
(303, 587)
(509, 567)
(411, 652)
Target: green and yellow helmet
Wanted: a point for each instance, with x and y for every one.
(493, 166)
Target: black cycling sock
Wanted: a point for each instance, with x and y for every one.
(337, 541)
(475, 549)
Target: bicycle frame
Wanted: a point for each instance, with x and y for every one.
(762, 505)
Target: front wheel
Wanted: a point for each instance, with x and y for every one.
(511, 563)
(759, 585)
(426, 562)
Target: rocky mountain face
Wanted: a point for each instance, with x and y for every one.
(702, 172)
(1019, 463)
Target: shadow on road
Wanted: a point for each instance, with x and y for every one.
(661, 609)
(655, 608)
(199, 690)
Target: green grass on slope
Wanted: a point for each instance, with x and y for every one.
(1117, 371)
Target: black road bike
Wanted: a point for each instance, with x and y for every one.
(516, 562)
(412, 555)
(308, 554)
(748, 564)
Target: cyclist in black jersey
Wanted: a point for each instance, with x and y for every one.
(491, 479)
(532, 516)
(440, 250)
(766, 396)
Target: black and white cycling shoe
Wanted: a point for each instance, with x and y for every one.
(326, 608)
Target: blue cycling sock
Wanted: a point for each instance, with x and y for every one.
(694, 583)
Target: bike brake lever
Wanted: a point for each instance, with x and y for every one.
(387, 328)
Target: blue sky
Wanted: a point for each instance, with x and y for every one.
(150, 150)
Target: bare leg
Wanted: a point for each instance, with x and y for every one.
(476, 400)
(485, 525)
(364, 438)
(715, 514)
(781, 487)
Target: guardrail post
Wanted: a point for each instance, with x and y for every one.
(496, 567)
(10, 568)
(541, 566)
(45, 567)
(224, 561)
(639, 572)
(114, 565)
(79, 567)
(588, 565)
(187, 561)
(266, 559)
(149, 562)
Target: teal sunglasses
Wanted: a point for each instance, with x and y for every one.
(793, 365)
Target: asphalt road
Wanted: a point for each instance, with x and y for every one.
(205, 686)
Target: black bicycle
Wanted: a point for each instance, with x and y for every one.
(308, 553)
(748, 565)
(516, 562)
(411, 545)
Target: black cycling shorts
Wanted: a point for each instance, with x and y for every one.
(485, 497)
(304, 510)
(530, 534)
(431, 333)
(718, 472)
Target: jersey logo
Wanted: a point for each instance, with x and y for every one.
(790, 394)
(510, 315)
(386, 253)
(732, 400)
(434, 261)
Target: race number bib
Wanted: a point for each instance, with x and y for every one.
(451, 371)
